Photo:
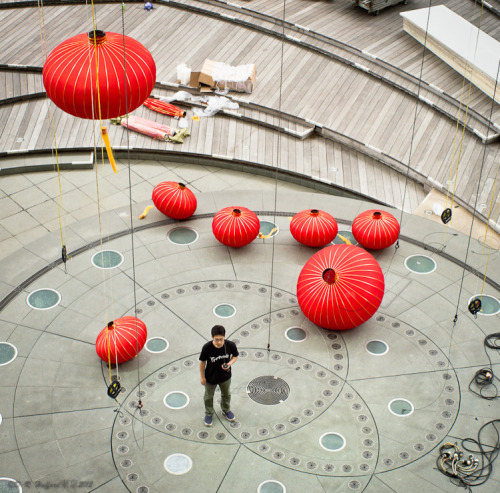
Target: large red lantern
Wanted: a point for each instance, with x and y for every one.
(340, 287)
(235, 226)
(121, 340)
(375, 229)
(72, 70)
(313, 228)
(174, 200)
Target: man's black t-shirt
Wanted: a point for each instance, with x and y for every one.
(215, 358)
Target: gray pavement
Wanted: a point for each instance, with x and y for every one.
(329, 428)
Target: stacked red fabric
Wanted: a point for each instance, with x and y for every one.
(340, 287)
(235, 226)
(174, 200)
(375, 229)
(313, 228)
(72, 80)
(121, 340)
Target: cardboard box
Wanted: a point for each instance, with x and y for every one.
(220, 75)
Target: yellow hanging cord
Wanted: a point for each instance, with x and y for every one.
(96, 168)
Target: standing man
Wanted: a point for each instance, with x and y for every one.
(216, 359)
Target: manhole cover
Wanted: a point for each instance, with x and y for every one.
(268, 390)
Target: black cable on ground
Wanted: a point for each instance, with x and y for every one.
(483, 382)
(476, 468)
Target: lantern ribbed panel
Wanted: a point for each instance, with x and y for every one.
(174, 200)
(233, 229)
(354, 295)
(375, 229)
(313, 228)
(69, 76)
(122, 345)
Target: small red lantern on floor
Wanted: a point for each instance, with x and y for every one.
(174, 200)
(121, 340)
(375, 229)
(313, 228)
(72, 75)
(235, 226)
(340, 287)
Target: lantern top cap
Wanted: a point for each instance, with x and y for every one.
(329, 276)
(236, 212)
(96, 36)
(181, 186)
(314, 212)
(377, 215)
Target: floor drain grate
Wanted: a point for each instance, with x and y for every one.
(268, 390)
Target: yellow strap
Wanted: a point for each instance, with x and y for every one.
(344, 239)
(146, 211)
(263, 237)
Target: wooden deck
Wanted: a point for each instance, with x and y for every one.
(365, 114)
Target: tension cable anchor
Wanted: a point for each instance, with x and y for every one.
(114, 389)
(446, 216)
(475, 306)
(64, 256)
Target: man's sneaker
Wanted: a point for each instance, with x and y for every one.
(229, 415)
(208, 420)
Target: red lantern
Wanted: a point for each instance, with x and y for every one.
(70, 75)
(375, 229)
(235, 226)
(313, 228)
(340, 287)
(121, 340)
(174, 200)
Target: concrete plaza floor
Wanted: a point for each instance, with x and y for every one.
(319, 410)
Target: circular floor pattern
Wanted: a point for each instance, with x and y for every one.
(319, 392)
(224, 310)
(43, 299)
(10, 485)
(182, 236)
(266, 227)
(489, 304)
(296, 334)
(271, 486)
(420, 264)
(156, 345)
(107, 259)
(8, 353)
(178, 464)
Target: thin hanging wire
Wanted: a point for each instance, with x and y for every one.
(278, 165)
(475, 205)
(132, 232)
(414, 120)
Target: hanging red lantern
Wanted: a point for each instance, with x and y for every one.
(340, 287)
(174, 200)
(71, 72)
(235, 226)
(121, 340)
(375, 229)
(313, 228)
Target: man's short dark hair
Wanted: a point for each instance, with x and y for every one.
(218, 330)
